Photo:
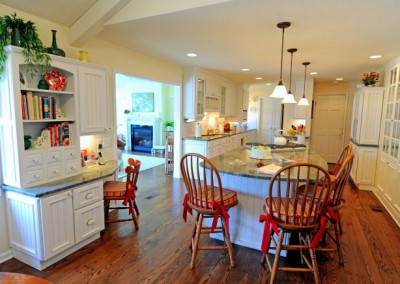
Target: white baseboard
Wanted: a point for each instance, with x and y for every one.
(6, 256)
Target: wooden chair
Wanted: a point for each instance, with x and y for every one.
(209, 199)
(124, 191)
(345, 153)
(335, 203)
(288, 211)
(169, 155)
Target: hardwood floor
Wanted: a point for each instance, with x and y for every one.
(159, 251)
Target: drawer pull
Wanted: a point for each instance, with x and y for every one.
(55, 172)
(54, 158)
(89, 196)
(35, 161)
(72, 168)
(36, 176)
(90, 222)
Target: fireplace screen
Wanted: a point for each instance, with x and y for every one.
(142, 138)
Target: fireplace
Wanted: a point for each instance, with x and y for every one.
(141, 138)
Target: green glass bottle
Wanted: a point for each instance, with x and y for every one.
(53, 49)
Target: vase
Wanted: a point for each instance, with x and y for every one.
(371, 85)
(83, 56)
(53, 49)
(16, 37)
(301, 139)
(42, 84)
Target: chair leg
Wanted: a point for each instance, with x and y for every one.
(338, 243)
(227, 241)
(136, 207)
(196, 240)
(106, 208)
(277, 255)
(194, 230)
(313, 260)
(134, 217)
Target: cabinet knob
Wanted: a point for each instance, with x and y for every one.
(72, 168)
(90, 222)
(55, 171)
(54, 157)
(36, 176)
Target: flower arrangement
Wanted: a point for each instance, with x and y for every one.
(370, 79)
(297, 130)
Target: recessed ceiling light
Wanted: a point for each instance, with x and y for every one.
(245, 69)
(313, 73)
(339, 79)
(191, 54)
(268, 84)
(258, 78)
(375, 56)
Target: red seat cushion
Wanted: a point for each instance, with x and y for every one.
(114, 190)
(229, 198)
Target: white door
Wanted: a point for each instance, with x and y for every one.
(270, 119)
(328, 126)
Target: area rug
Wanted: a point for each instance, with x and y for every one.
(147, 163)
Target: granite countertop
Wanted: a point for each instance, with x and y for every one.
(237, 162)
(91, 174)
(208, 137)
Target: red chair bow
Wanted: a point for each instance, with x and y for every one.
(319, 233)
(129, 196)
(266, 236)
(220, 209)
(186, 207)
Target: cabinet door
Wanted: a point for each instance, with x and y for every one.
(89, 220)
(58, 224)
(93, 99)
(371, 116)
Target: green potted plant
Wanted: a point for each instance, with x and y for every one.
(169, 125)
(16, 31)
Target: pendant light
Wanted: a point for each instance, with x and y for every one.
(280, 89)
(303, 101)
(289, 98)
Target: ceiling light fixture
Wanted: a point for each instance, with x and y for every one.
(245, 69)
(191, 54)
(303, 101)
(313, 73)
(280, 89)
(289, 98)
(375, 56)
(339, 79)
(258, 78)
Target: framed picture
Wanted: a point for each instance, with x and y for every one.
(143, 102)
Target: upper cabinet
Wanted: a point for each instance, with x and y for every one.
(366, 117)
(391, 117)
(204, 92)
(194, 87)
(93, 99)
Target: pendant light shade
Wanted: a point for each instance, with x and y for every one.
(280, 89)
(303, 101)
(289, 98)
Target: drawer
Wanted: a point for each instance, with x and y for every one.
(71, 154)
(33, 160)
(53, 157)
(73, 167)
(34, 176)
(55, 171)
(87, 194)
(89, 220)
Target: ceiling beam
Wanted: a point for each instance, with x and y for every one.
(91, 23)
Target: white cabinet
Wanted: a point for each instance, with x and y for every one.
(364, 166)
(228, 99)
(212, 97)
(387, 187)
(49, 117)
(366, 118)
(93, 106)
(44, 230)
(194, 86)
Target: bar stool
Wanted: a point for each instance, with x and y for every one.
(209, 199)
(169, 155)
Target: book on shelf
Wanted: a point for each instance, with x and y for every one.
(29, 98)
(38, 107)
(59, 134)
(23, 106)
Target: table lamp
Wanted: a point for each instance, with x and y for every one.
(261, 153)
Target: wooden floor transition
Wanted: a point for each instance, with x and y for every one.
(159, 251)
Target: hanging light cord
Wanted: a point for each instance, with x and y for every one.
(305, 76)
(283, 36)
(290, 76)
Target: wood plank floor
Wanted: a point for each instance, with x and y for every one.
(159, 251)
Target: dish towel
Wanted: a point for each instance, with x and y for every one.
(270, 169)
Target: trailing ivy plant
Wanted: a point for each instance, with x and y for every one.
(33, 49)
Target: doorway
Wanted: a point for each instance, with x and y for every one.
(131, 115)
(329, 125)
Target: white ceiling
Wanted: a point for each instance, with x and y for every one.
(336, 36)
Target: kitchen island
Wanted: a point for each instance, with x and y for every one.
(239, 172)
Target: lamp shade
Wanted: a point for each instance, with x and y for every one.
(289, 99)
(279, 91)
(303, 102)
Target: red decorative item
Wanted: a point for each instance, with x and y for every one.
(55, 80)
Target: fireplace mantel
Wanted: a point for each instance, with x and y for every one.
(152, 121)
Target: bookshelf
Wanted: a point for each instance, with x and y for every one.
(49, 117)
